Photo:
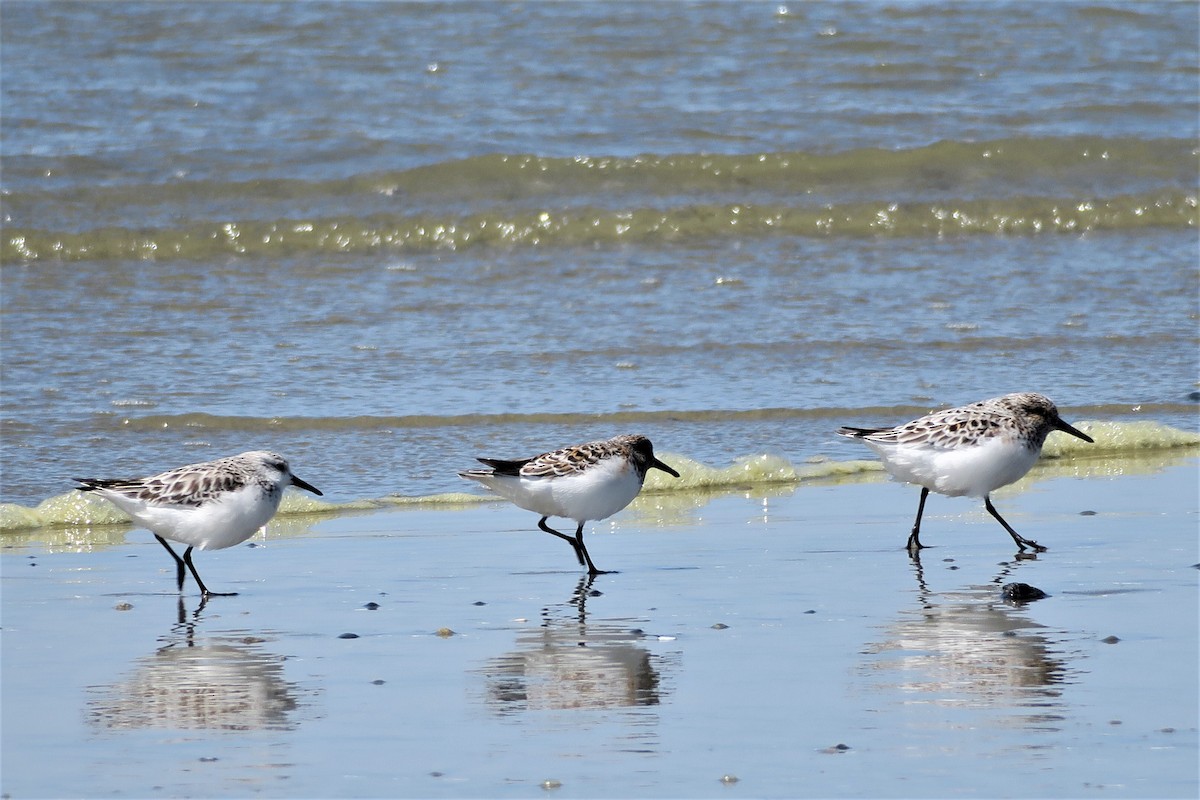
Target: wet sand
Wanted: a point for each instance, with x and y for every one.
(764, 644)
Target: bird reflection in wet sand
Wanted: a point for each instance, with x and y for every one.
(971, 649)
(218, 683)
(569, 663)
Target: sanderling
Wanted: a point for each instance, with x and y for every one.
(972, 450)
(589, 481)
(211, 505)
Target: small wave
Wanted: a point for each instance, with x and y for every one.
(1122, 443)
(617, 419)
(1112, 438)
(526, 178)
(577, 227)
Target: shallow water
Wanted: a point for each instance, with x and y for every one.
(383, 239)
(745, 635)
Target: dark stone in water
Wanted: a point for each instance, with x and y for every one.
(1021, 592)
(348, 636)
(479, 603)
(1194, 396)
(1110, 640)
(371, 606)
(1087, 513)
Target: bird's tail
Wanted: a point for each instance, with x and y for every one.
(500, 466)
(92, 484)
(859, 433)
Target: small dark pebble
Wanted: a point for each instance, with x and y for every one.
(347, 635)
(1167, 730)
(33, 563)
(1087, 513)
(123, 606)
(1110, 640)
(479, 603)
(811, 611)
(837, 748)
(595, 593)
(1009, 634)
(947, 560)
(720, 626)
(1114, 722)
(1021, 592)
(252, 544)
(378, 682)
(436, 774)
(371, 606)
(954, 567)
(1194, 396)
(636, 631)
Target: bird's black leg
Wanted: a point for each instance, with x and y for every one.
(187, 559)
(1021, 541)
(178, 562)
(914, 542)
(578, 552)
(591, 567)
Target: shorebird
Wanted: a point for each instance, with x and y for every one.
(211, 505)
(589, 481)
(971, 450)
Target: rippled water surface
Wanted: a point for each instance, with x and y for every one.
(385, 238)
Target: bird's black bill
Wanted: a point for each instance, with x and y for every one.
(656, 464)
(306, 486)
(1065, 428)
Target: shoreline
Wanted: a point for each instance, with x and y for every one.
(1123, 448)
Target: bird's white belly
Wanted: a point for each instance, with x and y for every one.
(971, 471)
(231, 520)
(596, 493)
